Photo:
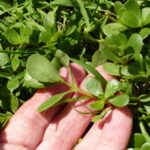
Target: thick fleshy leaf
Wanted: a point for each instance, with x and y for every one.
(31, 82)
(109, 52)
(138, 140)
(136, 42)
(14, 103)
(40, 68)
(145, 146)
(144, 33)
(98, 58)
(120, 100)
(147, 107)
(90, 69)
(12, 36)
(146, 15)
(15, 63)
(112, 87)
(93, 86)
(133, 7)
(112, 68)
(4, 59)
(117, 41)
(98, 105)
(113, 28)
(130, 20)
(13, 84)
(51, 101)
(63, 57)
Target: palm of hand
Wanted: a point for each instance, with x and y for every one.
(52, 130)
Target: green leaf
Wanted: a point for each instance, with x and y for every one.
(118, 5)
(51, 101)
(130, 20)
(50, 31)
(101, 115)
(14, 103)
(31, 82)
(15, 63)
(68, 3)
(98, 58)
(120, 100)
(97, 118)
(133, 8)
(131, 70)
(98, 105)
(93, 86)
(90, 69)
(25, 33)
(63, 57)
(41, 69)
(145, 146)
(4, 118)
(132, 16)
(109, 52)
(146, 15)
(136, 42)
(147, 107)
(113, 28)
(4, 5)
(12, 36)
(117, 41)
(138, 140)
(112, 87)
(84, 12)
(144, 98)
(4, 59)
(144, 33)
(13, 84)
(112, 68)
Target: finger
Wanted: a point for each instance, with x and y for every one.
(27, 126)
(12, 147)
(117, 130)
(114, 134)
(68, 126)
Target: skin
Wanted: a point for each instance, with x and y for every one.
(62, 126)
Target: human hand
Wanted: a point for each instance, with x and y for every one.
(61, 127)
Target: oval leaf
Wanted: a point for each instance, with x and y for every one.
(63, 57)
(113, 28)
(41, 69)
(120, 100)
(93, 86)
(98, 105)
(112, 87)
(13, 84)
(112, 69)
(12, 36)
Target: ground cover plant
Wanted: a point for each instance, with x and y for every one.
(111, 33)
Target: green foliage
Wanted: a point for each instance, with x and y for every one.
(38, 37)
(93, 86)
(41, 69)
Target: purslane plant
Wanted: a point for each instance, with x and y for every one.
(114, 34)
(42, 70)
